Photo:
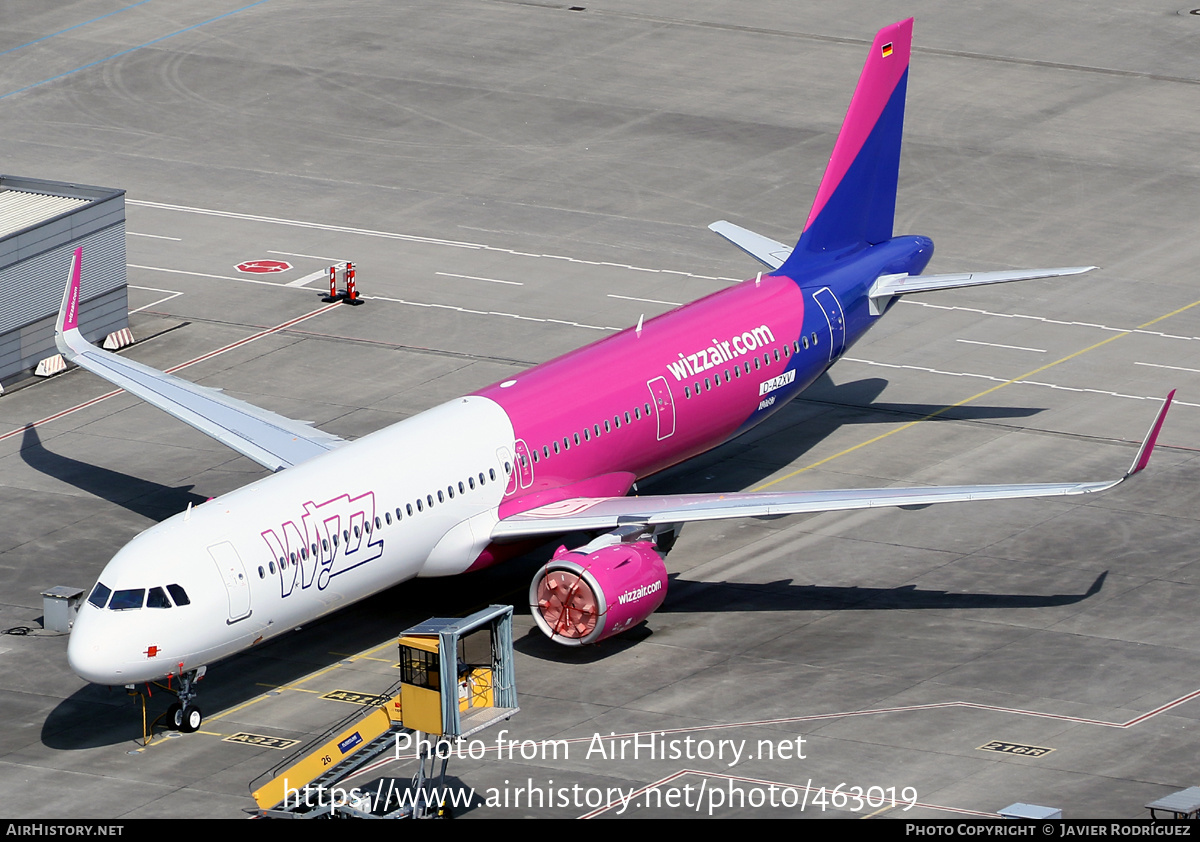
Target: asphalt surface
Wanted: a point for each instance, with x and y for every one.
(516, 179)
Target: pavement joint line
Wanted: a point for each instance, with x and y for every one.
(239, 343)
(976, 397)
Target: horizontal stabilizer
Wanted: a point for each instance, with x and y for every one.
(766, 251)
(887, 287)
(271, 440)
(606, 513)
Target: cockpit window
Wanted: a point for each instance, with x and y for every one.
(179, 595)
(157, 598)
(125, 600)
(100, 595)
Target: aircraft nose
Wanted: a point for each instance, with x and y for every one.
(86, 653)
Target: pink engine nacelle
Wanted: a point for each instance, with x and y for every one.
(578, 599)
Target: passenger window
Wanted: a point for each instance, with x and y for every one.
(804, 339)
(262, 574)
(272, 566)
(626, 417)
(387, 516)
(99, 596)
(687, 391)
(607, 428)
(471, 481)
(378, 522)
(586, 437)
(814, 339)
(450, 491)
(125, 600)
(596, 427)
(637, 414)
(647, 408)
(461, 490)
(577, 439)
(707, 385)
(408, 508)
(178, 594)
(282, 563)
(420, 506)
(776, 355)
(441, 497)
(429, 500)
(492, 474)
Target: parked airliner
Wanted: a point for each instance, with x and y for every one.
(553, 450)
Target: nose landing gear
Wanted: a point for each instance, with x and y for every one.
(184, 715)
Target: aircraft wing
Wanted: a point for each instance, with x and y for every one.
(586, 514)
(772, 253)
(271, 440)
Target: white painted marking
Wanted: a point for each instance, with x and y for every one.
(153, 236)
(1048, 321)
(367, 232)
(309, 256)
(475, 278)
(646, 300)
(1172, 367)
(308, 279)
(156, 303)
(204, 275)
(994, 345)
(1020, 382)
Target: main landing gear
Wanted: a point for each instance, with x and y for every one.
(184, 715)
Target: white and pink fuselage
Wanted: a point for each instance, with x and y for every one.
(421, 497)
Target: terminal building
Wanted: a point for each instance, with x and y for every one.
(41, 225)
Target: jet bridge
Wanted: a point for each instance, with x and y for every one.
(456, 679)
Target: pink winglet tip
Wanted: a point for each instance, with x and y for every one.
(71, 307)
(1143, 455)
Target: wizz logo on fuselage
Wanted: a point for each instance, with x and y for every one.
(329, 539)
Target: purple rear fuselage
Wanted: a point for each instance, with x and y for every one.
(689, 380)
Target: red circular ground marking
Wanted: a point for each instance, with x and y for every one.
(263, 267)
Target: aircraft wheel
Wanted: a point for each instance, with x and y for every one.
(190, 720)
(175, 716)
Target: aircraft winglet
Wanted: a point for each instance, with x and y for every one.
(1143, 455)
(68, 314)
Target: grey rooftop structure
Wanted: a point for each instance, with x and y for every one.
(41, 224)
